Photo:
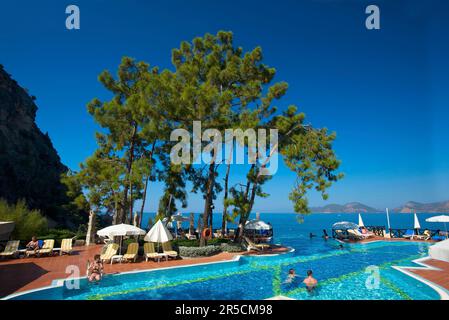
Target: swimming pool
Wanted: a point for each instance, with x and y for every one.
(342, 274)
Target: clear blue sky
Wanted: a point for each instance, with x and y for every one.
(384, 92)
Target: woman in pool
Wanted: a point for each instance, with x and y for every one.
(310, 281)
(291, 276)
(95, 270)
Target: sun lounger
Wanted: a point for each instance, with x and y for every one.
(11, 249)
(168, 250)
(409, 234)
(438, 238)
(355, 234)
(66, 246)
(341, 235)
(253, 246)
(47, 248)
(366, 235)
(111, 251)
(131, 252)
(190, 236)
(149, 252)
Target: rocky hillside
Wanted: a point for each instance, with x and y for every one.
(351, 207)
(435, 207)
(30, 167)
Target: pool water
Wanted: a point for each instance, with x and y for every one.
(342, 274)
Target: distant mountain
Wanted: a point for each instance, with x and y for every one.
(435, 207)
(346, 208)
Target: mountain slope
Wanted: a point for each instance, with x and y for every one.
(346, 208)
(30, 167)
(435, 207)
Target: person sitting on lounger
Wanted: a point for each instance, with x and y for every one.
(33, 245)
(310, 281)
(95, 270)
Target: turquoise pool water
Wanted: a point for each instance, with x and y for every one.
(341, 273)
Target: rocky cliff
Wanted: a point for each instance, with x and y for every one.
(30, 167)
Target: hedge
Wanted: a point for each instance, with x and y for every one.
(199, 251)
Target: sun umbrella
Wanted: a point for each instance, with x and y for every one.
(345, 225)
(442, 219)
(158, 233)
(257, 225)
(416, 224)
(120, 230)
(360, 221)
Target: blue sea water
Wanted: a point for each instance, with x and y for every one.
(293, 229)
(342, 273)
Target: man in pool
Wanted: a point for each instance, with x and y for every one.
(310, 281)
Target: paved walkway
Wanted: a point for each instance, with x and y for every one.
(439, 277)
(18, 275)
(30, 273)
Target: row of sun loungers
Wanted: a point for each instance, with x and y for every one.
(133, 250)
(12, 249)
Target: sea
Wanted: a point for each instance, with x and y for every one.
(294, 230)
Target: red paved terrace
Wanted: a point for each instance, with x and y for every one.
(439, 277)
(18, 275)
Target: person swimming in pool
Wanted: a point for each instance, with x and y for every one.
(310, 281)
(291, 276)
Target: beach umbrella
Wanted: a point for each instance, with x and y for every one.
(257, 225)
(442, 219)
(416, 224)
(360, 221)
(158, 233)
(344, 225)
(120, 230)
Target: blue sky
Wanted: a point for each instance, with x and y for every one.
(383, 91)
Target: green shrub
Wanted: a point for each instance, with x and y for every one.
(231, 247)
(185, 243)
(199, 251)
(217, 241)
(27, 222)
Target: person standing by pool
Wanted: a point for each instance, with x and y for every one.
(310, 281)
(95, 270)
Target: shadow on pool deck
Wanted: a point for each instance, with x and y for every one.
(11, 282)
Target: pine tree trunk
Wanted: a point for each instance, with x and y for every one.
(90, 236)
(225, 206)
(146, 187)
(208, 200)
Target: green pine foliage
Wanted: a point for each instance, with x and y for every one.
(28, 223)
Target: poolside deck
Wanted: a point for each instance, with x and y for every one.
(24, 274)
(439, 277)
